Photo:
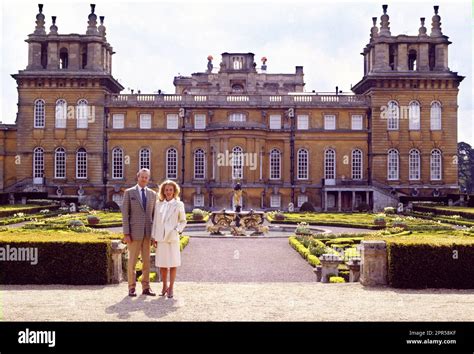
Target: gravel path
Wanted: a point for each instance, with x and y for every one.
(236, 302)
(243, 260)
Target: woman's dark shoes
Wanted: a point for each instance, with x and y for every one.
(148, 292)
(170, 293)
(131, 292)
(163, 293)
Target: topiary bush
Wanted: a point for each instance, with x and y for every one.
(335, 279)
(317, 248)
(307, 207)
(363, 207)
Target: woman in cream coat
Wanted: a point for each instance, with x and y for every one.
(168, 222)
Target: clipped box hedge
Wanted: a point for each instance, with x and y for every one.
(64, 257)
(430, 260)
(467, 213)
(10, 210)
(424, 265)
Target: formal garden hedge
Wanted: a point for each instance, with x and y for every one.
(464, 212)
(64, 257)
(431, 260)
(10, 210)
(357, 220)
(448, 219)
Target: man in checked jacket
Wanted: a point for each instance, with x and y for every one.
(137, 217)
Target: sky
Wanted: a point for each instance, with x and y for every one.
(157, 40)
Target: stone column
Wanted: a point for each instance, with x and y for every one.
(318, 272)
(374, 263)
(402, 60)
(354, 269)
(353, 200)
(117, 271)
(339, 201)
(329, 263)
(53, 56)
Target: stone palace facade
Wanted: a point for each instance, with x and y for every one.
(395, 137)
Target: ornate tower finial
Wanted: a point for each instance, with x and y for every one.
(92, 23)
(39, 30)
(101, 26)
(53, 29)
(384, 28)
(422, 30)
(436, 23)
(374, 31)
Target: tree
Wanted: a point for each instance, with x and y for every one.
(466, 167)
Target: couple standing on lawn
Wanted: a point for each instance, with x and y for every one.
(151, 218)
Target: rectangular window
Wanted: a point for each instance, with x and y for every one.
(81, 164)
(145, 121)
(118, 121)
(330, 122)
(302, 199)
(275, 121)
(275, 201)
(199, 121)
(199, 200)
(356, 123)
(303, 122)
(237, 117)
(171, 121)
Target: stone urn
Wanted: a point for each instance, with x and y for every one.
(92, 220)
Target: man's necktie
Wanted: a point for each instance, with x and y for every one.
(144, 199)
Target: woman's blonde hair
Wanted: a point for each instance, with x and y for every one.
(161, 191)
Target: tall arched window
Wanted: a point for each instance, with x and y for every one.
(60, 163)
(275, 164)
(393, 165)
(144, 160)
(435, 116)
(117, 163)
(81, 163)
(61, 113)
(237, 163)
(38, 165)
(330, 165)
(414, 115)
(303, 164)
(357, 164)
(171, 163)
(414, 165)
(393, 115)
(436, 165)
(199, 164)
(39, 114)
(82, 113)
